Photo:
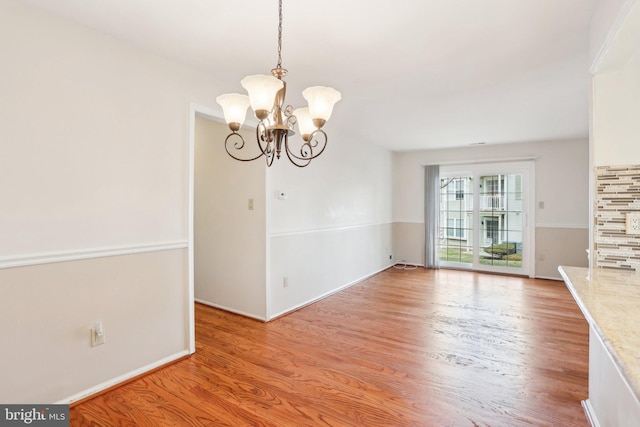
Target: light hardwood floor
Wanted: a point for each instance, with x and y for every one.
(403, 348)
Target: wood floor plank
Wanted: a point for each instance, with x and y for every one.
(403, 348)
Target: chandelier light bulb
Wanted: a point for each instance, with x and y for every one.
(305, 122)
(234, 106)
(321, 100)
(262, 91)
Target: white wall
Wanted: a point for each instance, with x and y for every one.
(47, 311)
(334, 228)
(616, 117)
(561, 172)
(93, 138)
(94, 161)
(230, 239)
(348, 185)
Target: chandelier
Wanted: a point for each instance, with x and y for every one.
(277, 121)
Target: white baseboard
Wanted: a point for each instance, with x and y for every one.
(588, 411)
(120, 379)
(326, 294)
(231, 310)
(559, 279)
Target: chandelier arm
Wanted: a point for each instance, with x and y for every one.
(238, 146)
(263, 135)
(269, 158)
(312, 144)
(304, 162)
(306, 152)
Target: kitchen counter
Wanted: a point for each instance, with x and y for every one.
(610, 301)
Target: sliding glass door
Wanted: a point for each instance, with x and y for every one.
(484, 217)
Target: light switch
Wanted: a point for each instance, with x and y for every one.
(250, 204)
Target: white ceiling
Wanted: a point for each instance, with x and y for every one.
(413, 73)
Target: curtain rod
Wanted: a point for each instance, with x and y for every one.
(480, 161)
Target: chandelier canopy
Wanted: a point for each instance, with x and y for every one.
(277, 121)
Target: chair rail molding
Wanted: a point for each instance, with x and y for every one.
(88, 253)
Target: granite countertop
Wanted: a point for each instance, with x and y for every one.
(610, 300)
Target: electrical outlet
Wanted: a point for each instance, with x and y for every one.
(285, 282)
(633, 222)
(97, 335)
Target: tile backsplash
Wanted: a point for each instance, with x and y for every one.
(617, 192)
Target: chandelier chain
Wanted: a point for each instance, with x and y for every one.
(279, 34)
